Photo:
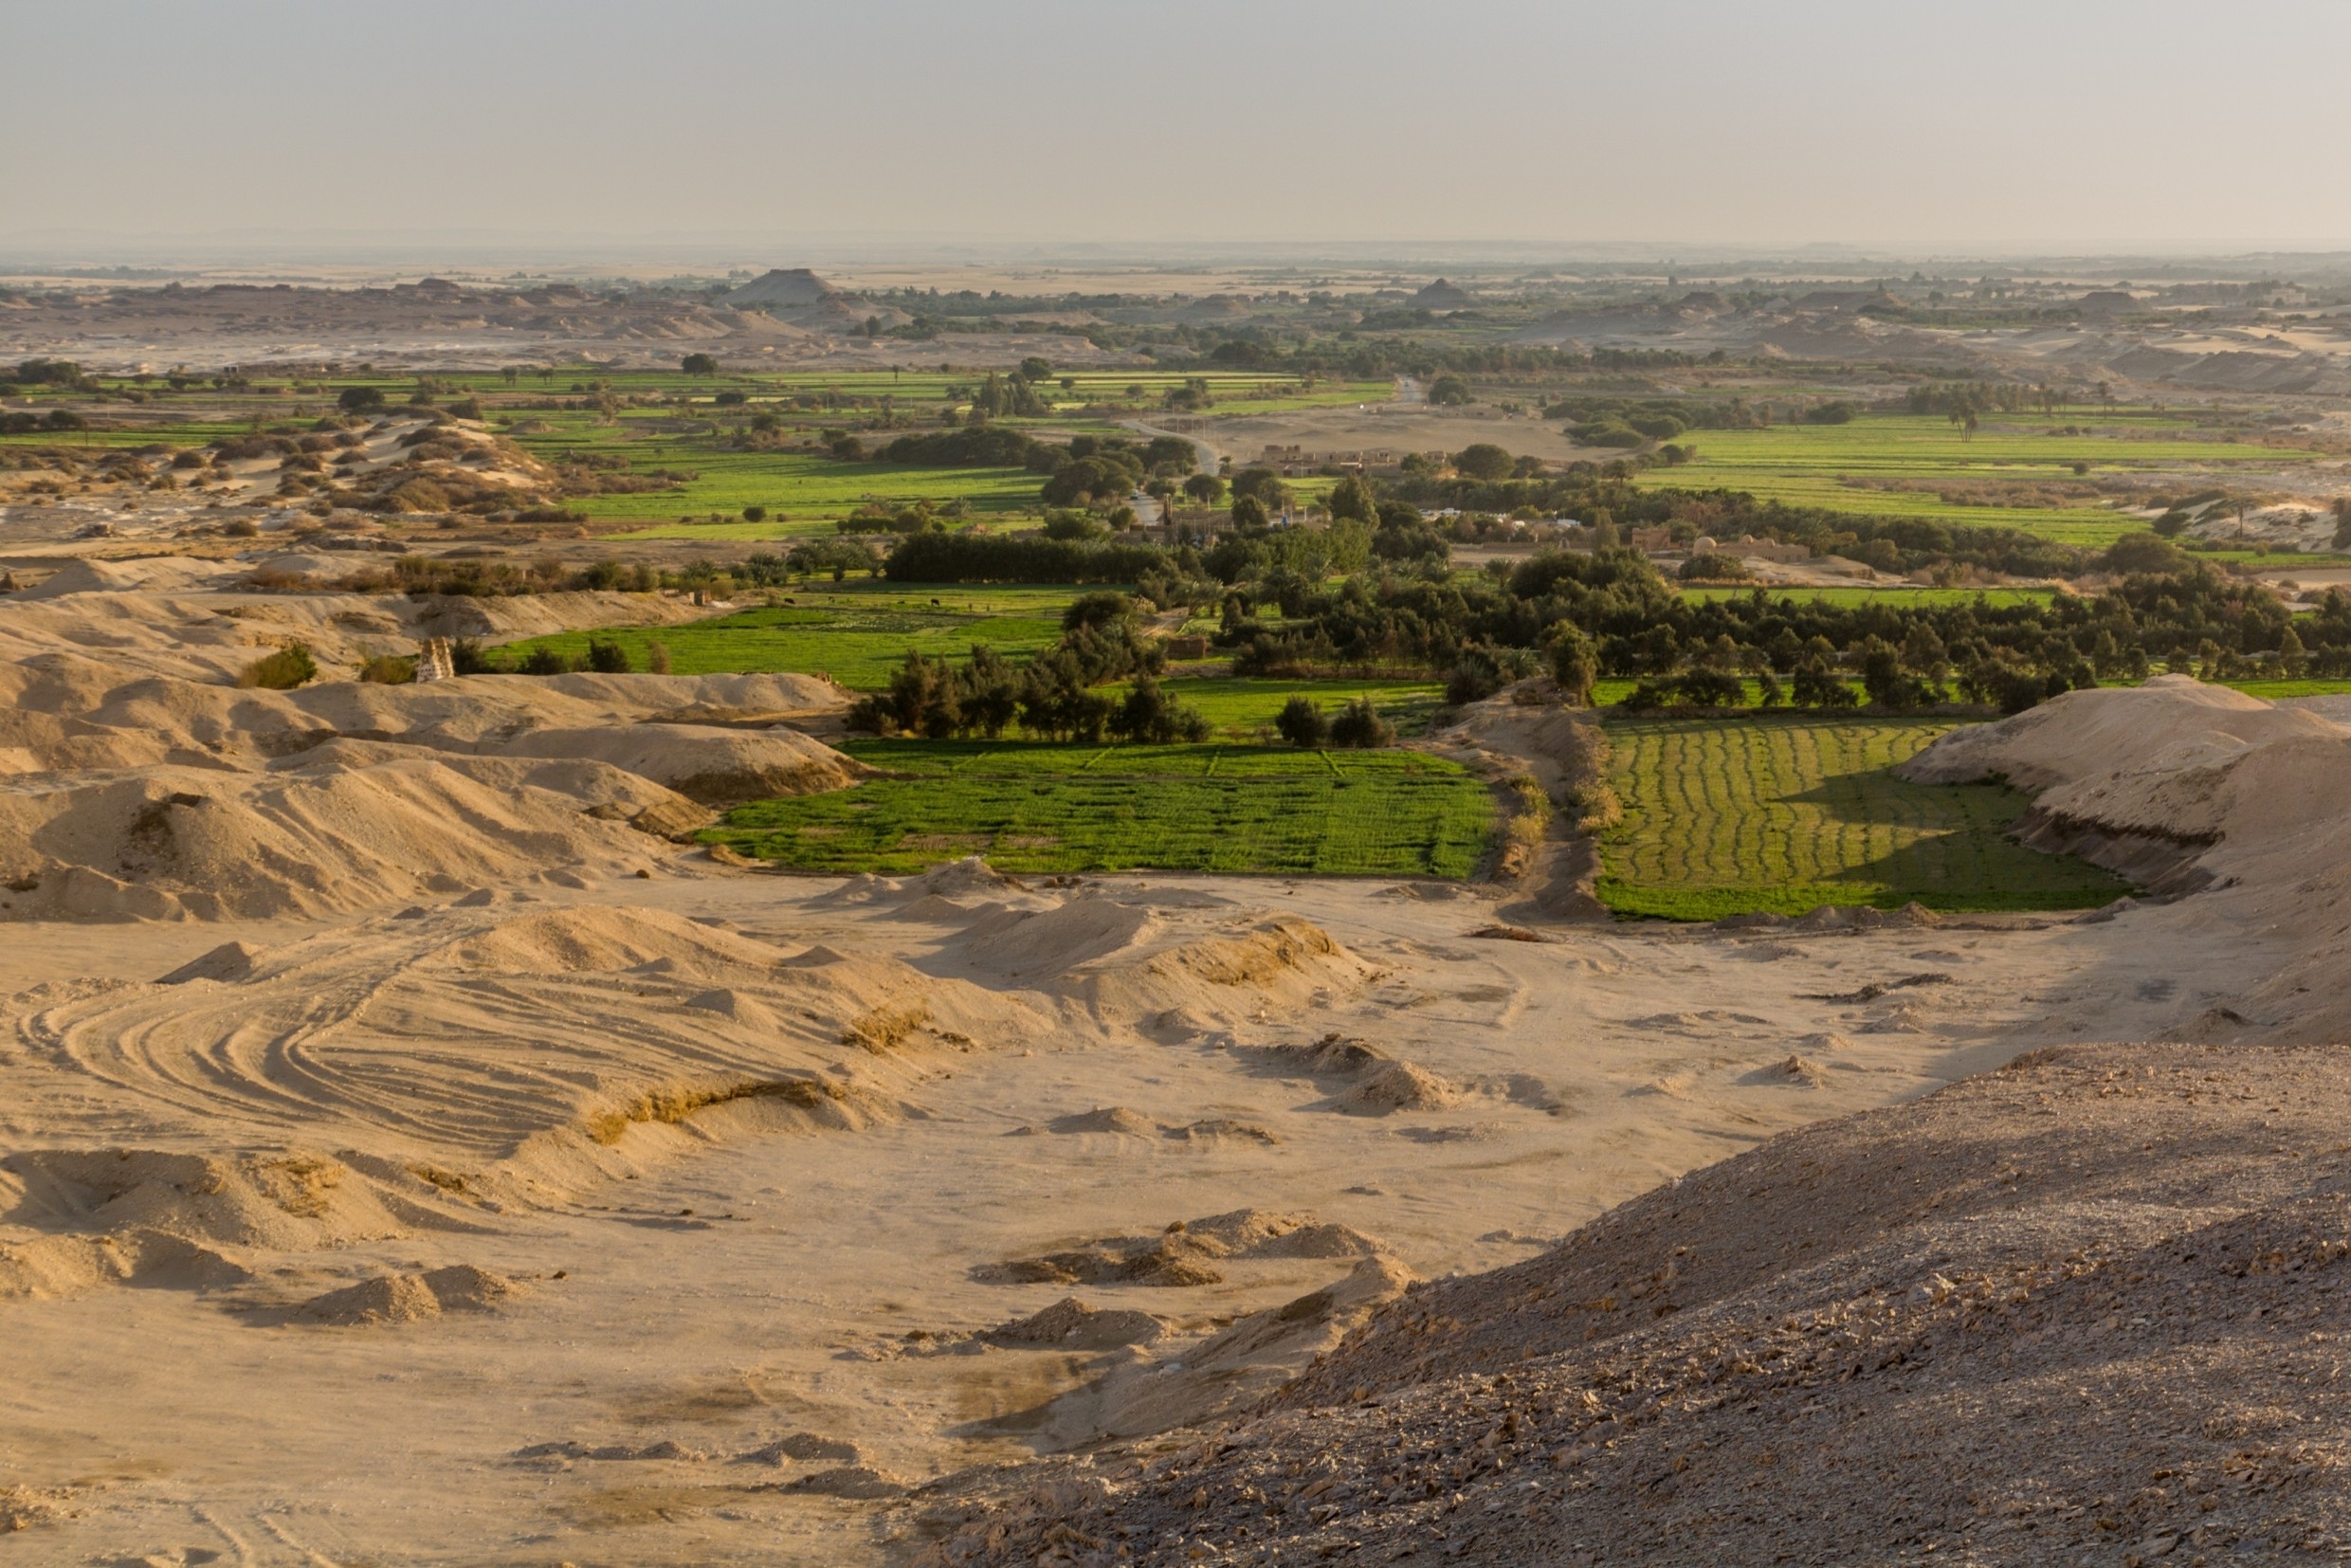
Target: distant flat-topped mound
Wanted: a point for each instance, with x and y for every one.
(784, 287)
(1442, 294)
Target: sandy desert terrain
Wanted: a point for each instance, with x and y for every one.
(485, 1176)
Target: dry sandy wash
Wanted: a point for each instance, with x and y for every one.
(410, 1151)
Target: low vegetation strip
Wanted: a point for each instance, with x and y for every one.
(859, 641)
(1045, 807)
(1786, 814)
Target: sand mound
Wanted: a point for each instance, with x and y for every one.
(1116, 1119)
(1018, 943)
(1177, 1256)
(2055, 1282)
(409, 1298)
(41, 1267)
(1236, 969)
(717, 767)
(1187, 1383)
(463, 1058)
(601, 938)
(229, 961)
(182, 842)
(279, 1201)
(802, 1446)
(1398, 1087)
(850, 1481)
(1070, 1325)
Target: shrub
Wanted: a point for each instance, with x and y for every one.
(606, 658)
(1302, 723)
(1071, 523)
(467, 657)
(699, 364)
(657, 658)
(359, 399)
(290, 666)
(1148, 716)
(388, 669)
(545, 661)
(1712, 567)
(2143, 553)
(1097, 610)
(1359, 724)
(1473, 678)
(755, 514)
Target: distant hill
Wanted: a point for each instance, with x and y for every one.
(1441, 296)
(784, 287)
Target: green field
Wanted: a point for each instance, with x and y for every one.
(1243, 708)
(858, 633)
(1035, 806)
(1806, 465)
(1789, 813)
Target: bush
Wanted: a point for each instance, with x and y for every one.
(1711, 568)
(467, 657)
(2143, 553)
(360, 399)
(290, 666)
(755, 514)
(388, 669)
(1302, 723)
(1070, 523)
(699, 364)
(1096, 610)
(1148, 716)
(545, 661)
(1449, 391)
(606, 658)
(1360, 725)
(657, 658)
(1474, 677)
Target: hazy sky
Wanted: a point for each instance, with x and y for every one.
(1996, 124)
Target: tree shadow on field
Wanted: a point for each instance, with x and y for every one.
(1987, 870)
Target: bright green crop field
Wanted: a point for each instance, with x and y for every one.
(1039, 807)
(1805, 465)
(1243, 708)
(857, 633)
(1789, 813)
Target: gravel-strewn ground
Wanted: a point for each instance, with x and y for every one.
(2090, 1309)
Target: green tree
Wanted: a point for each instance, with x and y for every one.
(1302, 723)
(1575, 666)
(1352, 498)
(1482, 461)
(699, 364)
